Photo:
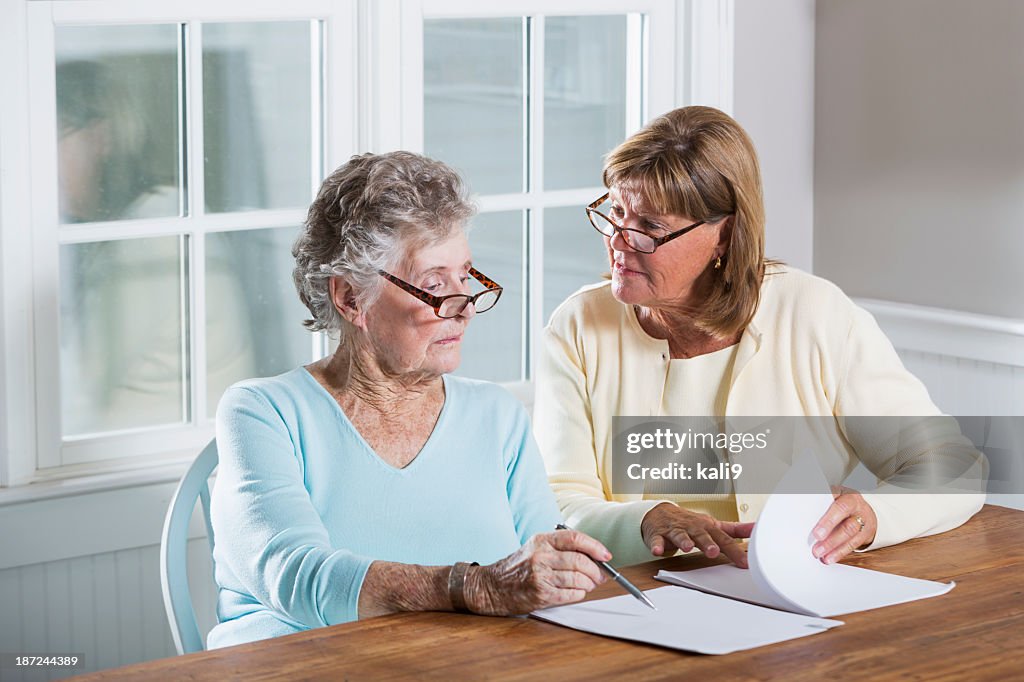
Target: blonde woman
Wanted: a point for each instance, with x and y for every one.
(696, 322)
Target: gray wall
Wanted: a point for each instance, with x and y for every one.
(919, 155)
(774, 101)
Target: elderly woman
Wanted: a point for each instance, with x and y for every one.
(362, 484)
(695, 322)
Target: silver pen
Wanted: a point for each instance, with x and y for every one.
(617, 577)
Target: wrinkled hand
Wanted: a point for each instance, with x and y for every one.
(550, 569)
(839, 531)
(668, 527)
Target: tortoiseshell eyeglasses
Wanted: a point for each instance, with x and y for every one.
(453, 305)
(635, 239)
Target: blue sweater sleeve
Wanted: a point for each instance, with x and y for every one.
(266, 530)
(530, 497)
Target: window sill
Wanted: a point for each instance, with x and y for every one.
(170, 468)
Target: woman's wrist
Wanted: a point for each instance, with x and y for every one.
(457, 585)
(477, 590)
(391, 587)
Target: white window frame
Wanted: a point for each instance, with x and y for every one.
(373, 50)
(334, 138)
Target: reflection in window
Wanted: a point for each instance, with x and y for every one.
(117, 117)
(473, 87)
(249, 283)
(125, 335)
(257, 115)
(121, 338)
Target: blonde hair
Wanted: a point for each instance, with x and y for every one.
(699, 163)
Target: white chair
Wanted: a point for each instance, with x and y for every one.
(524, 390)
(174, 545)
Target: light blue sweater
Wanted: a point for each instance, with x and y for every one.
(302, 505)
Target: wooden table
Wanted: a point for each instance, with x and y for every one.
(976, 632)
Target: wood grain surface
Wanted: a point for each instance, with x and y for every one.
(975, 632)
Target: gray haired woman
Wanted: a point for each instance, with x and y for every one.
(365, 483)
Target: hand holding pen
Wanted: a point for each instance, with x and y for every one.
(617, 577)
(551, 569)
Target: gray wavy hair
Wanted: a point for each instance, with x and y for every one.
(368, 216)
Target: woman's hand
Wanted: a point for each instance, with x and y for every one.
(550, 569)
(668, 527)
(850, 523)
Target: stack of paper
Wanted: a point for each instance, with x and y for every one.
(783, 575)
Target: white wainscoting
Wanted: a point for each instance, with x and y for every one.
(57, 597)
(106, 607)
(971, 364)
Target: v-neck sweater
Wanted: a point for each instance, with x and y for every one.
(302, 505)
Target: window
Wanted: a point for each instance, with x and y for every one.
(169, 153)
(186, 151)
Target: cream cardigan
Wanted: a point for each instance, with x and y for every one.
(809, 350)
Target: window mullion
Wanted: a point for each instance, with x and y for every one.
(490, 203)
(167, 227)
(535, 186)
(317, 63)
(195, 182)
(191, 251)
(319, 94)
(636, 75)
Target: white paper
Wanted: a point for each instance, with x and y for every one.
(728, 581)
(686, 620)
(784, 574)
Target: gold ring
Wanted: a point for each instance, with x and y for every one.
(860, 521)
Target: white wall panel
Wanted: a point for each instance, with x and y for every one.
(107, 607)
(963, 386)
(972, 364)
(10, 612)
(82, 607)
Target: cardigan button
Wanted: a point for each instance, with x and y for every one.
(744, 507)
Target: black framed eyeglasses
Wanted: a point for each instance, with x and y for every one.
(636, 239)
(453, 305)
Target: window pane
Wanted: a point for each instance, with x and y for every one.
(121, 342)
(584, 97)
(493, 346)
(574, 254)
(253, 315)
(118, 141)
(473, 100)
(257, 135)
